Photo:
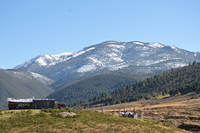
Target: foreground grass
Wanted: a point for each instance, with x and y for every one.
(48, 121)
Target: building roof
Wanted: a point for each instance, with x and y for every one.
(28, 100)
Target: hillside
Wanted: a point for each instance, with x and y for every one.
(182, 80)
(48, 121)
(17, 83)
(87, 88)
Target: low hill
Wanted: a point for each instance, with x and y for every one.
(182, 80)
(16, 83)
(85, 89)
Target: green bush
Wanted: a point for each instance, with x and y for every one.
(41, 114)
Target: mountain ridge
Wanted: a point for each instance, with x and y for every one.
(46, 60)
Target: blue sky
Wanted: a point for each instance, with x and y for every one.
(29, 28)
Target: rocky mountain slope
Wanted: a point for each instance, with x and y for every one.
(126, 57)
(22, 84)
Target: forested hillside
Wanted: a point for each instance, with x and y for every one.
(85, 89)
(182, 80)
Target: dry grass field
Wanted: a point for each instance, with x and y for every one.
(168, 110)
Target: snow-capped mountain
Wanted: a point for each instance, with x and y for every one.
(139, 57)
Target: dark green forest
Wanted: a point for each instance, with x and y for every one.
(177, 81)
(81, 91)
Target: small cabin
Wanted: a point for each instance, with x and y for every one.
(30, 103)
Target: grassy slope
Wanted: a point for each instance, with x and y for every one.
(86, 121)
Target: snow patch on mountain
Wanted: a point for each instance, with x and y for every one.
(143, 54)
(175, 49)
(43, 79)
(86, 68)
(156, 45)
(142, 48)
(118, 66)
(176, 65)
(42, 60)
(96, 61)
(82, 52)
(116, 51)
(115, 57)
(116, 46)
(139, 43)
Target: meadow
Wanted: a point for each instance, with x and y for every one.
(49, 121)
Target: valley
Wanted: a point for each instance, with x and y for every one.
(100, 70)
